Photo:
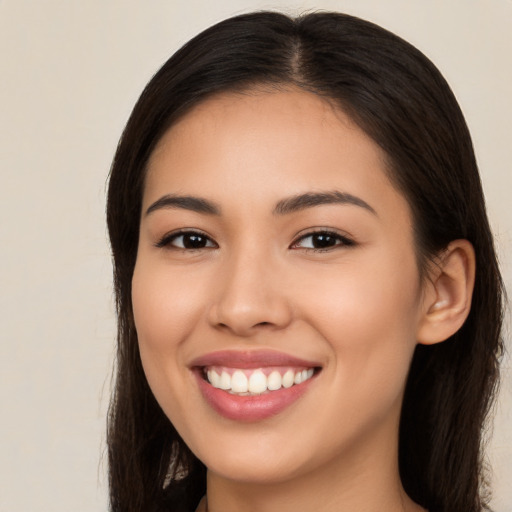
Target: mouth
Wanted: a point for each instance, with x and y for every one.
(252, 385)
(253, 382)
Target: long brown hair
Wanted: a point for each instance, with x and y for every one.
(398, 97)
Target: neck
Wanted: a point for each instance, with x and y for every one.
(366, 480)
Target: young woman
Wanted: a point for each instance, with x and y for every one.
(308, 297)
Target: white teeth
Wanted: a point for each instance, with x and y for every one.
(274, 381)
(257, 382)
(225, 381)
(239, 383)
(288, 379)
(214, 378)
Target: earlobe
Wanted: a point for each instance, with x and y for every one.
(448, 293)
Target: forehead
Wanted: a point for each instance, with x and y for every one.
(290, 111)
(259, 146)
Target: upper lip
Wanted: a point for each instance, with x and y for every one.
(246, 359)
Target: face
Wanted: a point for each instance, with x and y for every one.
(276, 292)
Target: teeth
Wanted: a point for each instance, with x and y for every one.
(288, 379)
(255, 382)
(274, 381)
(225, 381)
(214, 378)
(239, 383)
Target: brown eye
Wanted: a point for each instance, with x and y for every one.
(187, 240)
(322, 240)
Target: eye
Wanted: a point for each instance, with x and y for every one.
(321, 241)
(187, 240)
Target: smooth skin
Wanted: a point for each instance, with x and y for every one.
(251, 277)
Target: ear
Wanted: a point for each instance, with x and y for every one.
(447, 294)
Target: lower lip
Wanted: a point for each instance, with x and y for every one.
(251, 408)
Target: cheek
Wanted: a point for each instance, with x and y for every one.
(165, 312)
(368, 317)
(164, 306)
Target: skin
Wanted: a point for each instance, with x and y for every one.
(358, 309)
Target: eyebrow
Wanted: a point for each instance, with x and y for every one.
(311, 199)
(283, 207)
(195, 204)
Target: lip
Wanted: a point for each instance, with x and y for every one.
(247, 359)
(250, 408)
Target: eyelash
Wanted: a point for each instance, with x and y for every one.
(340, 240)
(166, 240)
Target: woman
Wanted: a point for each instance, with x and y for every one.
(309, 302)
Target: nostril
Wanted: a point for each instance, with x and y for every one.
(223, 325)
(244, 317)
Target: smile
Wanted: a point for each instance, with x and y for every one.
(258, 381)
(250, 386)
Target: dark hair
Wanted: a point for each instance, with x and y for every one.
(399, 98)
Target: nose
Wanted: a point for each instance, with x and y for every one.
(251, 297)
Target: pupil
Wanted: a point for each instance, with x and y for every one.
(194, 241)
(322, 240)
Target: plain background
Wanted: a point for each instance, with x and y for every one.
(70, 72)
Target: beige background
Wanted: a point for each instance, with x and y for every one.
(70, 72)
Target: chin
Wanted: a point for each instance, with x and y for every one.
(263, 457)
(255, 471)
